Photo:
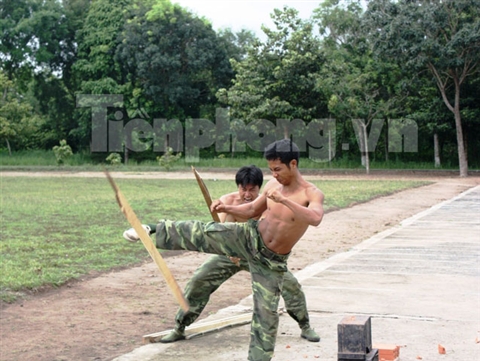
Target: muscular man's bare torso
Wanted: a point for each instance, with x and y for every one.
(287, 206)
(279, 226)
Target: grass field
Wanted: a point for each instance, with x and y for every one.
(58, 229)
(42, 160)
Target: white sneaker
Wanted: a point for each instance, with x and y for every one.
(131, 234)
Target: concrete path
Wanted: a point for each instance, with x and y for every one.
(419, 282)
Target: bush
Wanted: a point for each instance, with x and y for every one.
(114, 159)
(168, 158)
(62, 152)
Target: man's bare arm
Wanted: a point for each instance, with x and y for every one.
(312, 214)
(246, 211)
(223, 216)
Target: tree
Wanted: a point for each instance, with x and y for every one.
(17, 33)
(19, 126)
(426, 107)
(96, 68)
(35, 37)
(236, 45)
(275, 80)
(53, 88)
(38, 49)
(442, 37)
(356, 94)
(96, 71)
(174, 60)
(359, 87)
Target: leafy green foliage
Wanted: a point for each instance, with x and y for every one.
(236, 45)
(114, 159)
(38, 49)
(96, 67)
(168, 158)
(19, 125)
(343, 62)
(96, 70)
(275, 79)
(174, 60)
(360, 88)
(34, 34)
(62, 152)
(442, 37)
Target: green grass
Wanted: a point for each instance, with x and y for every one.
(57, 229)
(41, 160)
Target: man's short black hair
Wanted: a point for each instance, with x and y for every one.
(284, 150)
(249, 175)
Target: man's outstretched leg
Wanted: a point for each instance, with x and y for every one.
(227, 239)
(296, 306)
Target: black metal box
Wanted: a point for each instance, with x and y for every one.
(355, 339)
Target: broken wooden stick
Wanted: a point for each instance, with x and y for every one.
(148, 243)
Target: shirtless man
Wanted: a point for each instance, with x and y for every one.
(217, 269)
(289, 203)
(288, 206)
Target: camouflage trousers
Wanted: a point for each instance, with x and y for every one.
(218, 269)
(240, 240)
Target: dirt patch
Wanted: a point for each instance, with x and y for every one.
(102, 317)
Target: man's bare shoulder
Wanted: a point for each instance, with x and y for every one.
(272, 183)
(230, 198)
(312, 186)
(313, 191)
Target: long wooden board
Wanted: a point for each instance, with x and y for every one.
(203, 327)
(148, 243)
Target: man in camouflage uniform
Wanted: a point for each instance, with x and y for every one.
(218, 269)
(287, 207)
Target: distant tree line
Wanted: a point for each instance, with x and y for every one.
(364, 67)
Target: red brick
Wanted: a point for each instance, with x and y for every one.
(387, 352)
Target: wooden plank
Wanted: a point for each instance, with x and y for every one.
(148, 243)
(202, 328)
(206, 194)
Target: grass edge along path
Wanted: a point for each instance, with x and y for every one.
(55, 230)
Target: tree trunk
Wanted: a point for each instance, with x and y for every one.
(367, 158)
(455, 109)
(436, 150)
(330, 153)
(462, 155)
(361, 133)
(363, 143)
(8, 147)
(386, 142)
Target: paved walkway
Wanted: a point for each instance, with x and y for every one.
(419, 282)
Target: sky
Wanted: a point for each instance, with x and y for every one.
(237, 15)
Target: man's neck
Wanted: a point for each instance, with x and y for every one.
(295, 183)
